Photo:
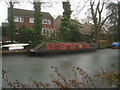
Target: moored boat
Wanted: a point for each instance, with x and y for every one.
(62, 47)
(20, 48)
(115, 45)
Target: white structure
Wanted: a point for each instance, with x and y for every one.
(15, 46)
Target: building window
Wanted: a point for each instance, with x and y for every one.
(50, 32)
(54, 32)
(31, 20)
(81, 27)
(21, 19)
(17, 31)
(47, 33)
(44, 32)
(16, 19)
(46, 21)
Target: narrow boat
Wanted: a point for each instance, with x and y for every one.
(62, 47)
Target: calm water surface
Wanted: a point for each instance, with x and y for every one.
(0, 71)
(21, 67)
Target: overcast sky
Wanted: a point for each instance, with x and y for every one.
(55, 9)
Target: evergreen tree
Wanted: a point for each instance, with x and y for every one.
(11, 23)
(37, 23)
(76, 36)
(65, 24)
(25, 34)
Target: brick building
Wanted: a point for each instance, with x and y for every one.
(57, 23)
(85, 29)
(88, 29)
(26, 17)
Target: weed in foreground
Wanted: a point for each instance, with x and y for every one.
(81, 80)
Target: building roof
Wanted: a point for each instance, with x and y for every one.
(29, 13)
(60, 16)
(4, 24)
(72, 20)
(75, 21)
(89, 24)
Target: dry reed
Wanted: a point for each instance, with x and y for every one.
(86, 80)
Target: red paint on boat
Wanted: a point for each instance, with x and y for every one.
(50, 46)
(63, 46)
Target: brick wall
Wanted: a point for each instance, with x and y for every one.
(48, 25)
(57, 24)
(30, 25)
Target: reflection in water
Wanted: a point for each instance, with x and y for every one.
(21, 67)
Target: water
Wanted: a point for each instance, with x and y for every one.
(22, 67)
(0, 71)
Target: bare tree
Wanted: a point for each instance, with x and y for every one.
(13, 2)
(97, 19)
(112, 20)
(44, 4)
(80, 7)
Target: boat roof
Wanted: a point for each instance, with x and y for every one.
(64, 42)
(15, 45)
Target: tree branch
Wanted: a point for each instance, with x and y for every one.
(30, 1)
(0, 1)
(102, 7)
(93, 14)
(97, 8)
(6, 2)
(99, 12)
(105, 20)
(79, 8)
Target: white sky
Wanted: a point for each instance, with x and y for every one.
(55, 10)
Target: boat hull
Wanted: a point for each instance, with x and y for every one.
(50, 48)
(114, 47)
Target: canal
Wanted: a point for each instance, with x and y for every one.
(22, 67)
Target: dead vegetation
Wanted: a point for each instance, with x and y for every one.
(81, 80)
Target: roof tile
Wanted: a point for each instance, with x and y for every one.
(29, 13)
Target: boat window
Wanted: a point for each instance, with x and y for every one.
(57, 47)
(77, 46)
(84, 46)
(68, 47)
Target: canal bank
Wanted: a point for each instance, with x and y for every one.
(22, 67)
(14, 52)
